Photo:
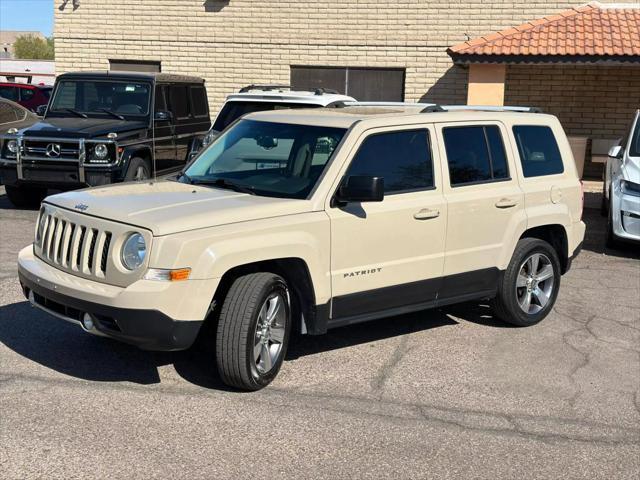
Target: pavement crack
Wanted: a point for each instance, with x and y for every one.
(384, 372)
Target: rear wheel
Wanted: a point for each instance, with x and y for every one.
(25, 196)
(253, 331)
(529, 287)
(138, 170)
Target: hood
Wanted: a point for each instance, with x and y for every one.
(68, 127)
(168, 207)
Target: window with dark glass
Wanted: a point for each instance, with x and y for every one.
(179, 101)
(475, 154)
(10, 93)
(402, 158)
(26, 94)
(538, 149)
(199, 105)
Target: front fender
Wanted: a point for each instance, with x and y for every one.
(212, 252)
(143, 151)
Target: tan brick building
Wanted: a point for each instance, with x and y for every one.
(401, 45)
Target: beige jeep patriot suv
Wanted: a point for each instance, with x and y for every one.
(308, 220)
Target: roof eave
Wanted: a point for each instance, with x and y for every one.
(609, 60)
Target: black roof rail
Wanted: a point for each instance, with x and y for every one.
(265, 87)
(432, 108)
(336, 104)
(320, 91)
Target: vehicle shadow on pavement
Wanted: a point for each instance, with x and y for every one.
(67, 349)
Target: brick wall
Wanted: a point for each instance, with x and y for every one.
(591, 101)
(236, 42)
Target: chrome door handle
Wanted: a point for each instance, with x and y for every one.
(506, 203)
(426, 214)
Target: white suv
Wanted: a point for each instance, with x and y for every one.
(259, 98)
(307, 220)
(621, 194)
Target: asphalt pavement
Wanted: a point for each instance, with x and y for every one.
(448, 393)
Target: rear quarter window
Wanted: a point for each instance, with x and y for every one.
(199, 105)
(538, 149)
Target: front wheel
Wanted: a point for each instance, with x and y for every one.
(138, 170)
(529, 287)
(253, 331)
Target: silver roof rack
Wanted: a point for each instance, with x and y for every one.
(489, 108)
(275, 87)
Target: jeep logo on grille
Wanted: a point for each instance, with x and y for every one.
(81, 206)
(53, 150)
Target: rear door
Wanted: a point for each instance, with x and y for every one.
(485, 206)
(165, 149)
(191, 114)
(389, 255)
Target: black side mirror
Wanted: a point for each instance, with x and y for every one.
(361, 188)
(41, 110)
(163, 116)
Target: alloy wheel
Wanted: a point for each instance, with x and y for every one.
(535, 282)
(270, 332)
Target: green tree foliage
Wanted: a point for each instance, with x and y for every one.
(33, 48)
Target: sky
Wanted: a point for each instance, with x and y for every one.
(27, 15)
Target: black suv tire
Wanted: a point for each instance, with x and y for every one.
(138, 170)
(25, 196)
(505, 304)
(239, 324)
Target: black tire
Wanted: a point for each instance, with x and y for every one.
(236, 331)
(505, 304)
(25, 196)
(138, 170)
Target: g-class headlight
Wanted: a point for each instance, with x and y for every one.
(100, 153)
(12, 146)
(134, 251)
(630, 188)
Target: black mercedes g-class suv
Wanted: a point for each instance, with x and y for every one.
(105, 127)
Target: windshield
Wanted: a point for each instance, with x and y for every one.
(99, 98)
(233, 110)
(271, 159)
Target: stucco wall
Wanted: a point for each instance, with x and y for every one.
(237, 42)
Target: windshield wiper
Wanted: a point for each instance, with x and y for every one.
(76, 112)
(224, 183)
(113, 114)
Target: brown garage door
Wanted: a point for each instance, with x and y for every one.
(364, 84)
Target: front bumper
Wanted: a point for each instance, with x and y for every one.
(625, 215)
(151, 315)
(57, 176)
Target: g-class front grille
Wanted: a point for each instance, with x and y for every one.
(39, 150)
(75, 247)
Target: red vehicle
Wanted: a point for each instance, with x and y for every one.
(28, 95)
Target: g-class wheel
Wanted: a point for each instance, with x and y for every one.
(138, 170)
(25, 196)
(529, 287)
(253, 331)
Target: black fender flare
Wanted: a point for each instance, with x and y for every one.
(143, 151)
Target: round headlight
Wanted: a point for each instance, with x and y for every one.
(12, 145)
(134, 250)
(100, 151)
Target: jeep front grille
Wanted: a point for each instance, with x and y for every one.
(64, 150)
(75, 247)
(86, 246)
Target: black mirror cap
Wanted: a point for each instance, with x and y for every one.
(361, 188)
(41, 110)
(162, 115)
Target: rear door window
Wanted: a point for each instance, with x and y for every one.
(475, 154)
(180, 101)
(402, 158)
(26, 94)
(199, 105)
(538, 149)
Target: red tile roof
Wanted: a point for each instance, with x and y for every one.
(593, 30)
